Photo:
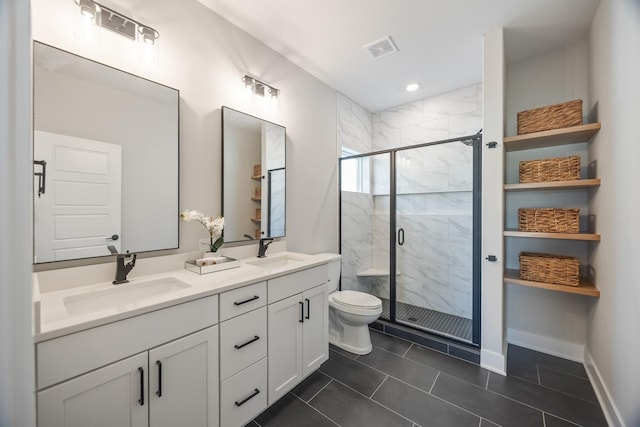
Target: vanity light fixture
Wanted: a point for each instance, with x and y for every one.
(105, 17)
(260, 88)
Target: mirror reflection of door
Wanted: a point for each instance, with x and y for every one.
(80, 210)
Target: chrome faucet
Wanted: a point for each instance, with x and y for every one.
(121, 269)
(262, 248)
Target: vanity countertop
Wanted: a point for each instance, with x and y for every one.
(181, 286)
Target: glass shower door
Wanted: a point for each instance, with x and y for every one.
(365, 226)
(434, 241)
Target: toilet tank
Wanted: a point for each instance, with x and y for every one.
(334, 265)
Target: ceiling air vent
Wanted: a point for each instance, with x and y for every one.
(381, 48)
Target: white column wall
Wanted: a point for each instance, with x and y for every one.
(492, 353)
(17, 379)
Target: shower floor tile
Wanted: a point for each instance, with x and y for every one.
(431, 320)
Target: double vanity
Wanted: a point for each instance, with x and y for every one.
(178, 348)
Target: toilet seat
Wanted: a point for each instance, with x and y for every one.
(357, 299)
(355, 302)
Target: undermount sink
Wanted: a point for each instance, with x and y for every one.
(275, 261)
(124, 297)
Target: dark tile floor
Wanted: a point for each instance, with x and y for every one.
(403, 384)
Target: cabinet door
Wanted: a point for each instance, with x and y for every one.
(285, 345)
(315, 329)
(183, 381)
(113, 396)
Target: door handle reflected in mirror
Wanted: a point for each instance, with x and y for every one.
(113, 237)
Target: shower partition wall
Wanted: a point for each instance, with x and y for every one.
(410, 233)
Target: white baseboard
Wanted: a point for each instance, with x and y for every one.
(553, 346)
(607, 404)
(493, 361)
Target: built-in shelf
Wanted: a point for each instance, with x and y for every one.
(551, 138)
(256, 219)
(586, 287)
(256, 177)
(256, 199)
(556, 185)
(375, 272)
(560, 236)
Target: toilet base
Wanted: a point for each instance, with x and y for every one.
(351, 349)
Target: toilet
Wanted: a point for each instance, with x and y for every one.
(350, 313)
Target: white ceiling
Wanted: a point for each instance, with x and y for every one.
(439, 41)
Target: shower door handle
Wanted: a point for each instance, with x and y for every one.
(401, 237)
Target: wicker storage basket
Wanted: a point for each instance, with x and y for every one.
(550, 117)
(555, 169)
(556, 269)
(549, 220)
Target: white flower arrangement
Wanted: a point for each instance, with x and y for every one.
(213, 226)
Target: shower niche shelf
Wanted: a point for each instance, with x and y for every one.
(375, 272)
(545, 139)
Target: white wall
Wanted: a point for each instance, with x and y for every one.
(204, 56)
(552, 322)
(613, 341)
(17, 379)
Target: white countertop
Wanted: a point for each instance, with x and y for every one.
(55, 321)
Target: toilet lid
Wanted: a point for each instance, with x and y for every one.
(357, 299)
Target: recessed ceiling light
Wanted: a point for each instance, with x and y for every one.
(412, 87)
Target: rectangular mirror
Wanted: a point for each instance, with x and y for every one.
(106, 148)
(253, 178)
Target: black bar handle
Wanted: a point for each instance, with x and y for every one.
(248, 398)
(301, 312)
(141, 400)
(253, 298)
(244, 344)
(42, 176)
(159, 391)
(308, 308)
(401, 237)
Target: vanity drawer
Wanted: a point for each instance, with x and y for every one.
(244, 395)
(294, 283)
(242, 300)
(243, 341)
(74, 354)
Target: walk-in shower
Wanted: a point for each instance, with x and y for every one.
(410, 233)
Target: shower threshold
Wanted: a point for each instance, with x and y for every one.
(428, 320)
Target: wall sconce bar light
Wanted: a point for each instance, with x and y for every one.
(105, 17)
(260, 88)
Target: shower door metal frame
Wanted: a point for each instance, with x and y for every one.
(476, 141)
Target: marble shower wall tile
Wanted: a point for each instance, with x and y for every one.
(355, 126)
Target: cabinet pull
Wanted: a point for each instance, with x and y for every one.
(308, 308)
(301, 312)
(244, 344)
(141, 400)
(248, 398)
(159, 391)
(255, 297)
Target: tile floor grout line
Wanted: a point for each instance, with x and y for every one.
(561, 418)
(374, 401)
(449, 355)
(378, 388)
(538, 372)
(544, 419)
(318, 411)
(318, 392)
(457, 406)
(407, 351)
(486, 386)
(434, 382)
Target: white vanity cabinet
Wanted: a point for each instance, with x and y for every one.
(298, 316)
(148, 370)
(243, 354)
